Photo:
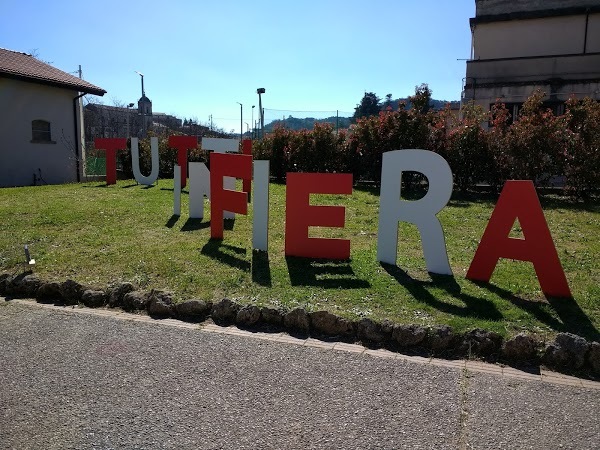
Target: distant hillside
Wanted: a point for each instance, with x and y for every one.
(308, 123)
(435, 104)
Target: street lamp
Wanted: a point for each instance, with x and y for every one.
(253, 121)
(261, 111)
(143, 113)
(141, 75)
(241, 121)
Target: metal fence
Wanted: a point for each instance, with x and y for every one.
(95, 165)
(297, 120)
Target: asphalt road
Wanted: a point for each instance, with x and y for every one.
(87, 382)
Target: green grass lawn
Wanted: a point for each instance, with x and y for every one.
(97, 235)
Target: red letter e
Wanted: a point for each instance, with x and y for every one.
(299, 215)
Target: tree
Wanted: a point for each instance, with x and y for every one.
(368, 106)
(388, 102)
(34, 53)
(421, 101)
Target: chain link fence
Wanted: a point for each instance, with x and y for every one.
(298, 120)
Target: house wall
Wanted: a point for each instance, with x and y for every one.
(525, 45)
(593, 40)
(493, 7)
(534, 37)
(20, 103)
(487, 96)
(577, 67)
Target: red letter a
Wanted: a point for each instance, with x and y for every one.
(519, 200)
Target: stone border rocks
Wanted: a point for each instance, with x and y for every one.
(193, 310)
(567, 353)
(224, 312)
(116, 293)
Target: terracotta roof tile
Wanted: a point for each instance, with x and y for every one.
(25, 67)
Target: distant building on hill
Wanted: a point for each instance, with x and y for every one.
(103, 121)
(519, 46)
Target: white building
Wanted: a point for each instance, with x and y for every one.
(41, 133)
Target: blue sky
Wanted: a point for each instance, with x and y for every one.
(201, 57)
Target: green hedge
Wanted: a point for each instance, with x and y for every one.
(536, 145)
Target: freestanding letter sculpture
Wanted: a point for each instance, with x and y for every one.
(221, 199)
(135, 162)
(260, 199)
(518, 200)
(183, 144)
(299, 215)
(110, 147)
(422, 212)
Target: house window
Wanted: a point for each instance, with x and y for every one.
(40, 132)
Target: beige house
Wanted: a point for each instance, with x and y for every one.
(41, 133)
(519, 46)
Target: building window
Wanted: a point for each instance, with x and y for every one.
(513, 112)
(557, 107)
(40, 132)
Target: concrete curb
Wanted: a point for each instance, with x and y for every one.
(568, 353)
(536, 375)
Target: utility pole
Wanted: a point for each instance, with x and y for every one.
(79, 140)
(241, 122)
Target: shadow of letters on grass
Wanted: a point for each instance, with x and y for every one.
(261, 271)
(323, 273)
(172, 221)
(195, 224)
(570, 318)
(471, 306)
(226, 254)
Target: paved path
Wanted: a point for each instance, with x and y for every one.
(79, 378)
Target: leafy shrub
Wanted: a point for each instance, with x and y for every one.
(537, 146)
(534, 147)
(466, 149)
(317, 150)
(167, 157)
(583, 158)
(364, 151)
(276, 148)
(390, 130)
